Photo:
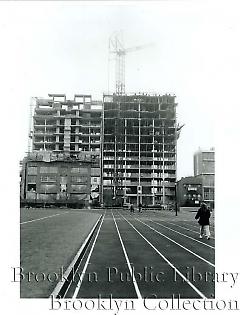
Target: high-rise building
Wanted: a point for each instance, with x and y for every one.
(139, 149)
(130, 141)
(65, 160)
(204, 168)
(67, 126)
(204, 162)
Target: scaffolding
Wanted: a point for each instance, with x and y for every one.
(139, 149)
(30, 124)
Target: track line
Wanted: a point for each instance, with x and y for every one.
(86, 264)
(128, 262)
(50, 216)
(166, 227)
(71, 266)
(165, 218)
(184, 228)
(170, 264)
(191, 252)
(198, 226)
(213, 238)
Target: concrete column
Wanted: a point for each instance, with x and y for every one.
(139, 198)
(125, 155)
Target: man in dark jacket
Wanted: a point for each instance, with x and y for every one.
(203, 215)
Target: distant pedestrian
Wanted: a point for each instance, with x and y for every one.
(131, 208)
(203, 215)
(139, 207)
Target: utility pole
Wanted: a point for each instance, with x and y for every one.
(176, 203)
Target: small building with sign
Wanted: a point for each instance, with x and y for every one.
(189, 191)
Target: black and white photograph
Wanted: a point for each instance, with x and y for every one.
(120, 156)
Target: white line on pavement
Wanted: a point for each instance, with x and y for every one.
(71, 266)
(191, 252)
(184, 228)
(50, 216)
(197, 226)
(175, 269)
(166, 227)
(128, 262)
(86, 264)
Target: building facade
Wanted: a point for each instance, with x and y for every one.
(204, 162)
(204, 168)
(69, 132)
(67, 126)
(189, 191)
(51, 179)
(139, 149)
(126, 145)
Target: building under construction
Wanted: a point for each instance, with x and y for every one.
(63, 164)
(113, 152)
(139, 152)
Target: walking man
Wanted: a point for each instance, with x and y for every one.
(131, 208)
(139, 207)
(203, 215)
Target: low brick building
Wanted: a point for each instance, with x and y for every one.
(49, 178)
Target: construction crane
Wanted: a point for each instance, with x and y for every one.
(116, 47)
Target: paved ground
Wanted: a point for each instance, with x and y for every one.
(148, 254)
(49, 240)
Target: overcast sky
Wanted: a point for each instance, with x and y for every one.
(61, 47)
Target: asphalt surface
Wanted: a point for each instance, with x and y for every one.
(149, 254)
(49, 240)
(162, 257)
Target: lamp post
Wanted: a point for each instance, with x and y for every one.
(176, 203)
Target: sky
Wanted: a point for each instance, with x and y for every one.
(62, 47)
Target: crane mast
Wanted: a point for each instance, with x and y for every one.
(116, 46)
